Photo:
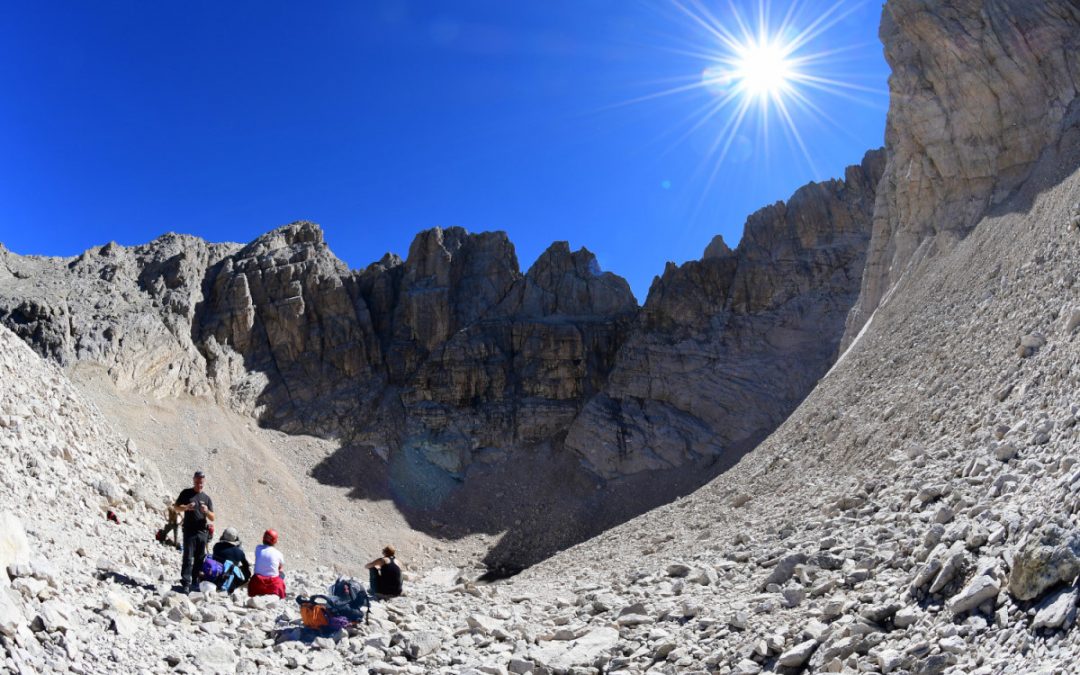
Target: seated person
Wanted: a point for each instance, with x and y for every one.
(384, 574)
(269, 577)
(229, 550)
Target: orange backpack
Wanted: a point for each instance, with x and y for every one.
(313, 612)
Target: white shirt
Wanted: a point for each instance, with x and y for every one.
(267, 560)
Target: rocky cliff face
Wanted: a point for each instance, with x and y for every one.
(979, 91)
(726, 347)
(451, 373)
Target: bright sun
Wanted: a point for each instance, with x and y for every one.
(763, 72)
(762, 69)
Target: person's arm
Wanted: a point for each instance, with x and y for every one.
(182, 503)
(208, 509)
(374, 564)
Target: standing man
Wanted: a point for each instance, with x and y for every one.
(198, 510)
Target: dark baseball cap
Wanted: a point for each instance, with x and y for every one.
(200, 474)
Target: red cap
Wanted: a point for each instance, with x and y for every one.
(270, 537)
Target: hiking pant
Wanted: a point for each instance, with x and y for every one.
(194, 552)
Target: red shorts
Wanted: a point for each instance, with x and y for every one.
(260, 585)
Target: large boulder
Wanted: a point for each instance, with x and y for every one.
(1049, 557)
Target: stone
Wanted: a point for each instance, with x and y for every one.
(953, 644)
(320, 661)
(1057, 611)
(14, 547)
(484, 625)
(11, 613)
(889, 660)
(1050, 556)
(217, 657)
(784, 569)
(747, 667)
(1031, 343)
(124, 625)
(585, 651)
(1071, 320)
(979, 590)
(881, 612)
(1003, 451)
(797, 655)
(520, 666)
(56, 615)
(423, 643)
(263, 602)
(119, 603)
(793, 597)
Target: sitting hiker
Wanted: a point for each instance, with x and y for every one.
(230, 553)
(384, 574)
(269, 577)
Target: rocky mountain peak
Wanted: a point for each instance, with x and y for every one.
(717, 248)
(298, 234)
(565, 282)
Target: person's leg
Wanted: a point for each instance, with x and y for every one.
(373, 580)
(189, 559)
(200, 552)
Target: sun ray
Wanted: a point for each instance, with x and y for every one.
(819, 26)
(827, 84)
(791, 127)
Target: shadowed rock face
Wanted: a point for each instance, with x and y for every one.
(979, 91)
(726, 347)
(459, 385)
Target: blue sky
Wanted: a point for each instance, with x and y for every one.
(377, 119)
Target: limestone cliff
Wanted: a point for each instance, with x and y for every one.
(980, 90)
(727, 346)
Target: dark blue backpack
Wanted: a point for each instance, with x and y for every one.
(348, 599)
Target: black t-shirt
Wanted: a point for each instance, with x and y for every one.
(195, 519)
(225, 551)
(390, 578)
